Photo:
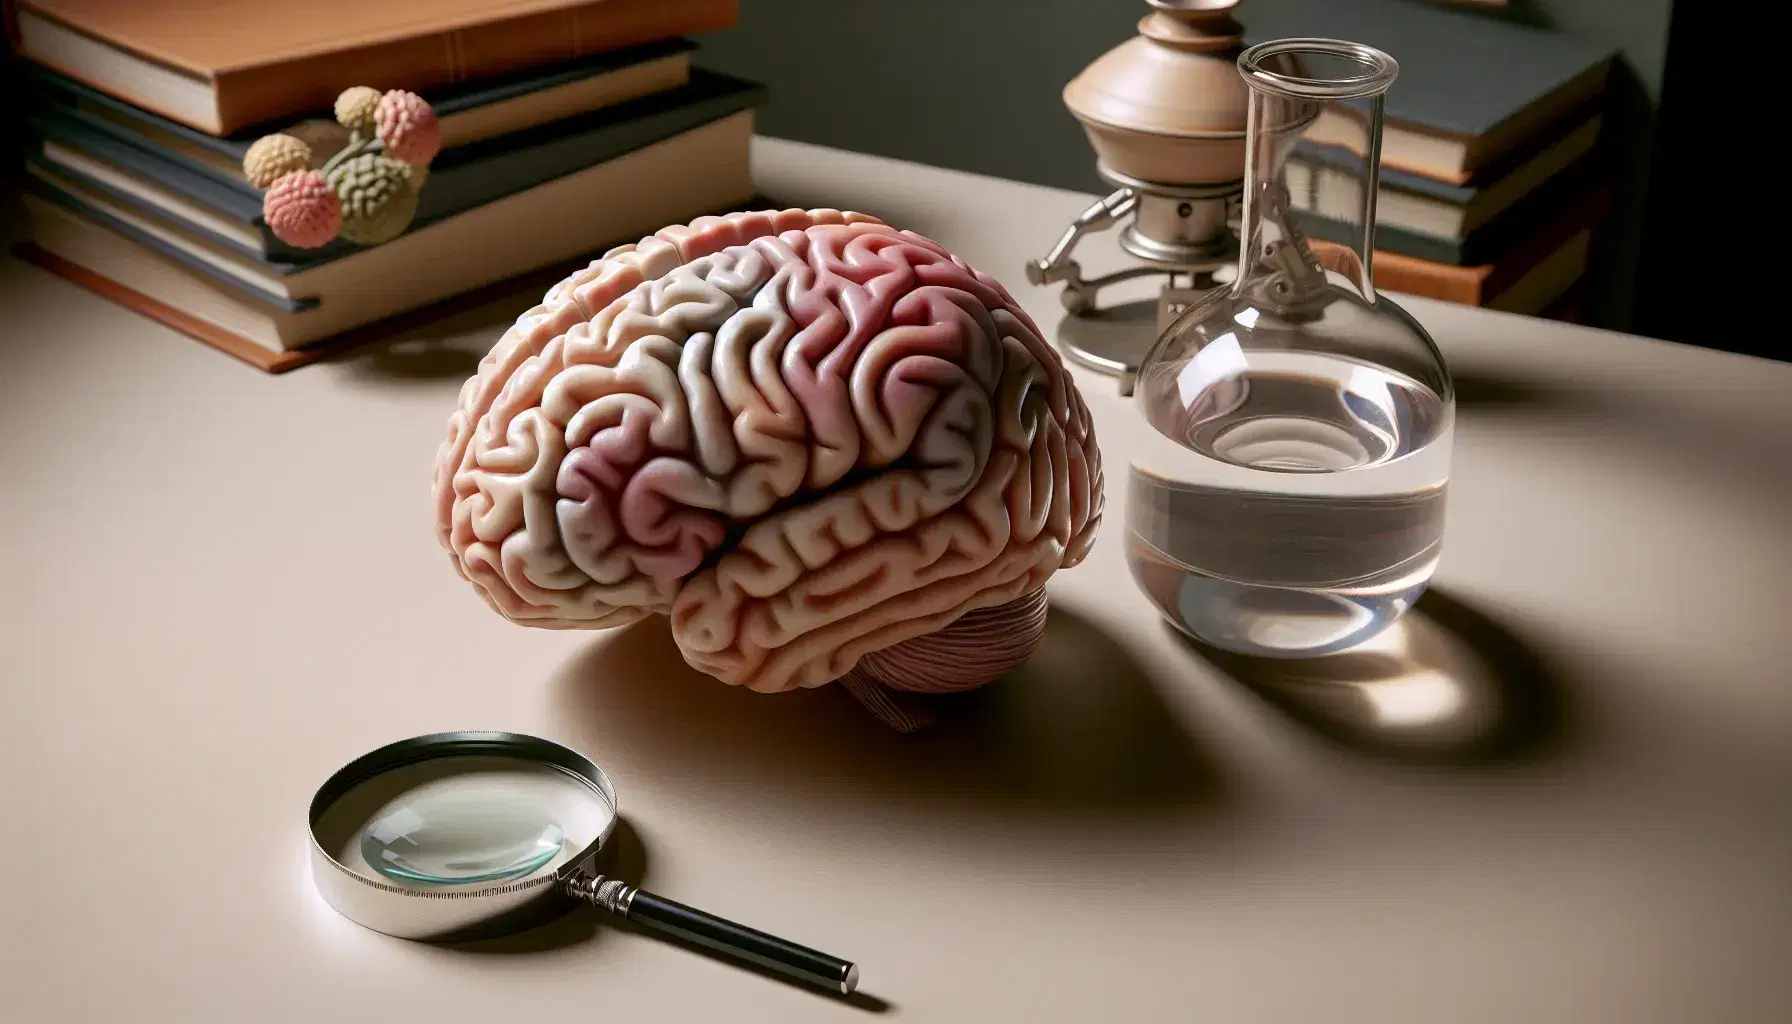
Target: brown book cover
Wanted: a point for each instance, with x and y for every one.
(221, 65)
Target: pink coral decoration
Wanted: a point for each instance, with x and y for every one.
(302, 210)
(408, 128)
(807, 437)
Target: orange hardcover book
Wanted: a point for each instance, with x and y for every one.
(222, 65)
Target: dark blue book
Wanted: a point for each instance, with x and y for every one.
(162, 265)
(468, 111)
(1471, 88)
(460, 179)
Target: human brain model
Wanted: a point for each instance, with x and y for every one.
(805, 436)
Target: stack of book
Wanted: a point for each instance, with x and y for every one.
(569, 126)
(1491, 179)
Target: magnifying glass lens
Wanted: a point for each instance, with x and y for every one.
(459, 831)
(463, 821)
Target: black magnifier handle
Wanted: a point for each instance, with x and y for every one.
(724, 936)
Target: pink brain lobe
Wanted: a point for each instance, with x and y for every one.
(803, 435)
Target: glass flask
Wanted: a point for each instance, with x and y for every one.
(1288, 500)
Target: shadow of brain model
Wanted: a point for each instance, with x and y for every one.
(803, 435)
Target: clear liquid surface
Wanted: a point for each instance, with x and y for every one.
(462, 830)
(1298, 509)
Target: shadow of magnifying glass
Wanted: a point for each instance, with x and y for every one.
(1447, 684)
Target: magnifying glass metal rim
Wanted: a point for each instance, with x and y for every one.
(440, 913)
(463, 912)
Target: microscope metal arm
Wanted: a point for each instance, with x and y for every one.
(1079, 294)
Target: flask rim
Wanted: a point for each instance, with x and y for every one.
(1379, 69)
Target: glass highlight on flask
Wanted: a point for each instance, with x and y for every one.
(1289, 498)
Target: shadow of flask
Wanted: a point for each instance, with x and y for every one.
(1447, 683)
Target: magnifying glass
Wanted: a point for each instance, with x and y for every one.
(462, 835)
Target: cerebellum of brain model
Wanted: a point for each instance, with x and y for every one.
(810, 439)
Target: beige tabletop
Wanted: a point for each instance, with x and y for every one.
(1567, 797)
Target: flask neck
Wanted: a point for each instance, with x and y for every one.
(1312, 165)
